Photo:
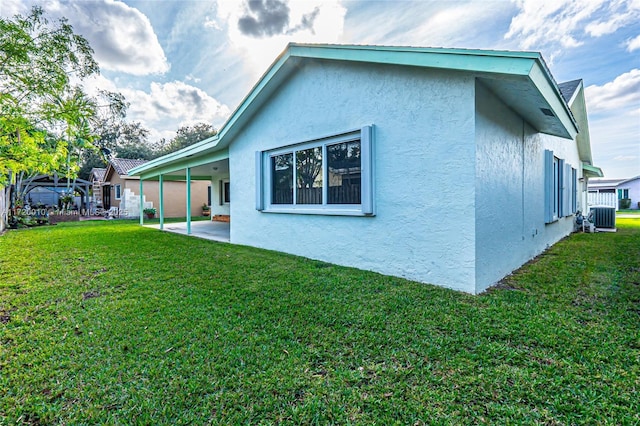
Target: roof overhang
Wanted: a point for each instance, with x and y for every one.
(521, 79)
(591, 171)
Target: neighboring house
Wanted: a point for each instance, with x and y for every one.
(121, 192)
(447, 166)
(96, 176)
(629, 189)
(610, 192)
(602, 192)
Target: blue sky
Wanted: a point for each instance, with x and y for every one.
(181, 62)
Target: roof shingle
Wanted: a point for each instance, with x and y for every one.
(123, 165)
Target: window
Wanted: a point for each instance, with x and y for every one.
(224, 192)
(117, 188)
(331, 175)
(623, 193)
(560, 187)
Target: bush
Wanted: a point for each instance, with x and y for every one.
(624, 203)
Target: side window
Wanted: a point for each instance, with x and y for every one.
(332, 175)
(118, 191)
(560, 188)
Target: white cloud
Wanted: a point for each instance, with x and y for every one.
(167, 106)
(121, 36)
(633, 44)
(567, 22)
(10, 8)
(211, 23)
(317, 21)
(621, 93)
(625, 158)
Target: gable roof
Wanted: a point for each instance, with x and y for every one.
(123, 165)
(568, 89)
(604, 183)
(99, 173)
(629, 180)
(521, 79)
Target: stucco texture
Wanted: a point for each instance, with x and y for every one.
(458, 175)
(175, 199)
(510, 226)
(424, 227)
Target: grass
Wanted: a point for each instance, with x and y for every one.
(110, 323)
(628, 211)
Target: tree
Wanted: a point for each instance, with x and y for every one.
(37, 99)
(186, 136)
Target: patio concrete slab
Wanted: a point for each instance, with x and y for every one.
(209, 230)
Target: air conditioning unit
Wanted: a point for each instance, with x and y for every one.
(604, 216)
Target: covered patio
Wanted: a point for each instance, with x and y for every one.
(197, 162)
(209, 230)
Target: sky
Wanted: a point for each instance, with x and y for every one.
(188, 61)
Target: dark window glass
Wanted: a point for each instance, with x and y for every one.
(227, 192)
(282, 175)
(309, 176)
(344, 173)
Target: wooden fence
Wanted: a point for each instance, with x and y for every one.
(347, 194)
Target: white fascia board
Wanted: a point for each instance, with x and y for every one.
(550, 92)
(187, 162)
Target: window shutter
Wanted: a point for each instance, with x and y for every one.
(548, 186)
(259, 182)
(574, 190)
(366, 170)
(220, 192)
(567, 189)
(562, 205)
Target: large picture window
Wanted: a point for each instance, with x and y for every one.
(331, 175)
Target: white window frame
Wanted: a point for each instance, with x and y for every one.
(117, 191)
(366, 206)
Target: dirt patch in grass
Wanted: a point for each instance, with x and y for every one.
(90, 294)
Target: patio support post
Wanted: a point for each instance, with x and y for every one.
(161, 200)
(188, 201)
(141, 204)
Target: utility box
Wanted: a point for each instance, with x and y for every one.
(604, 217)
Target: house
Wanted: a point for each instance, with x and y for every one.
(615, 192)
(629, 189)
(96, 177)
(121, 192)
(447, 166)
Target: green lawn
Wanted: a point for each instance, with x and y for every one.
(628, 211)
(108, 322)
